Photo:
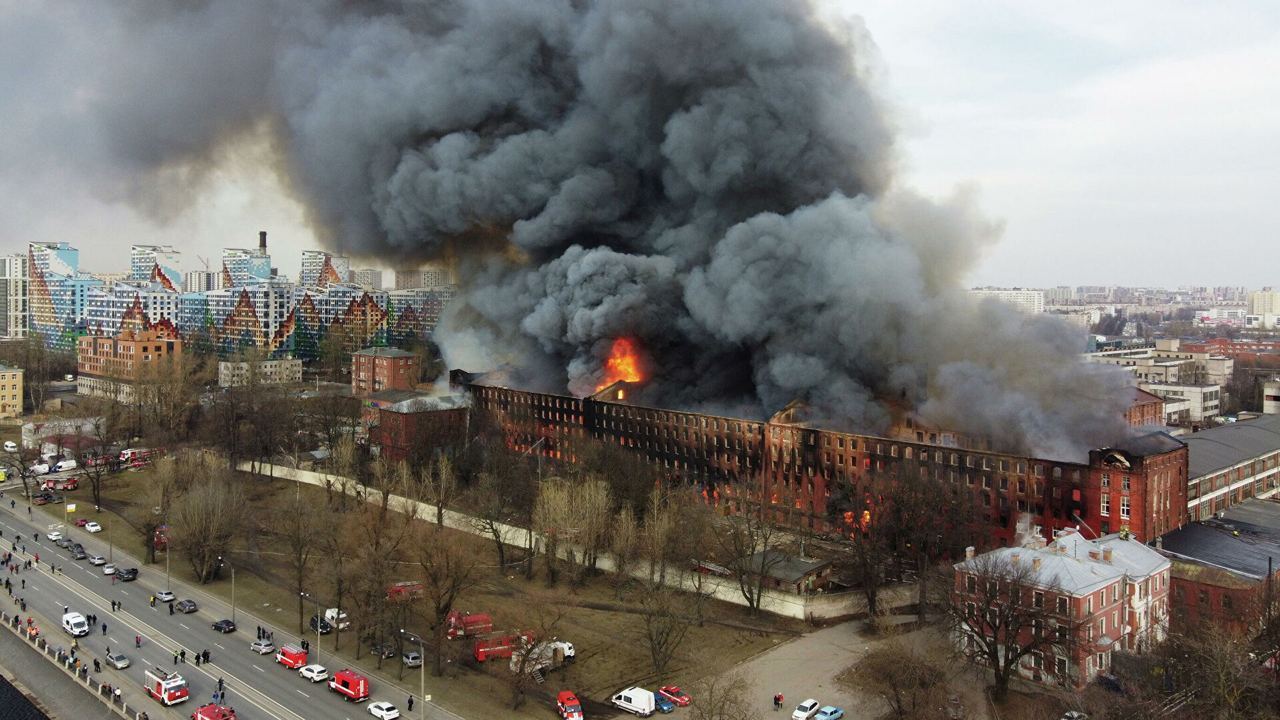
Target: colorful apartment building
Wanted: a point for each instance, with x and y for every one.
(58, 293)
(1095, 597)
(320, 268)
(160, 264)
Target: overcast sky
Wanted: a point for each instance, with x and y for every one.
(1121, 143)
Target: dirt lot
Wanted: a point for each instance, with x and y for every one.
(604, 630)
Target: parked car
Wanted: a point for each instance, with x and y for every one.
(42, 499)
(383, 651)
(412, 659)
(384, 711)
(224, 626)
(674, 694)
(1074, 715)
(314, 673)
(65, 465)
(166, 596)
(40, 469)
(78, 553)
(663, 705)
(319, 623)
(82, 522)
(109, 569)
(118, 661)
(10, 446)
(97, 560)
(805, 710)
(263, 647)
(64, 543)
(54, 535)
(127, 574)
(186, 606)
(830, 712)
(92, 527)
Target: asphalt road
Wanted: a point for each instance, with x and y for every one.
(256, 686)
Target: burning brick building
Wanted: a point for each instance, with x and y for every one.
(1139, 485)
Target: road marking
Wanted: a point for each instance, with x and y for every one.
(183, 626)
(255, 667)
(126, 592)
(303, 694)
(218, 645)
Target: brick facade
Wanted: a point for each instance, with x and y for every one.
(376, 369)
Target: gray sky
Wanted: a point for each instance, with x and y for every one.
(1121, 143)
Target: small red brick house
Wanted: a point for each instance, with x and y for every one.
(375, 369)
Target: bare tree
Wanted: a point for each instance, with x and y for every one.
(447, 567)
(544, 623)
(664, 625)
(747, 543)
(550, 518)
(724, 697)
(299, 532)
(656, 534)
(206, 518)
(911, 681)
(19, 463)
(93, 453)
(1000, 615)
(171, 477)
(440, 485)
(378, 531)
(625, 546)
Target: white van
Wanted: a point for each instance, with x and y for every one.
(64, 465)
(75, 624)
(337, 619)
(636, 701)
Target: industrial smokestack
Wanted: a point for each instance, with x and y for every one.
(262, 242)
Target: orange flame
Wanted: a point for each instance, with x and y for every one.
(623, 363)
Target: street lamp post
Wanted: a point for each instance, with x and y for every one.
(422, 670)
(309, 596)
(233, 586)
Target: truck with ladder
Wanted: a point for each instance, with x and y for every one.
(169, 688)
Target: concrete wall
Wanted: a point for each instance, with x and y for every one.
(812, 607)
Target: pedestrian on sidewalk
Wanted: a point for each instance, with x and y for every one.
(409, 703)
(206, 656)
(197, 659)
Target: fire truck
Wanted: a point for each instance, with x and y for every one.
(67, 483)
(291, 656)
(350, 684)
(501, 645)
(404, 590)
(213, 711)
(459, 624)
(169, 688)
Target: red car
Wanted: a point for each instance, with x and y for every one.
(568, 706)
(675, 695)
(82, 522)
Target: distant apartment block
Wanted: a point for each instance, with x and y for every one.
(285, 371)
(201, 281)
(57, 293)
(428, 277)
(1166, 361)
(367, 278)
(10, 392)
(13, 296)
(1031, 301)
(156, 264)
(320, 268)
(376, 369)
(111, 367)
(1204, 401)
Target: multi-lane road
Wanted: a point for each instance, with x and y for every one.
(255, 685)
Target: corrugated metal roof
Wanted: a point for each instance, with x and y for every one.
(1243, 540)
(1231, 444)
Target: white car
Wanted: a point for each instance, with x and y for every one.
(40, 469)
(314, 673)
(109, 569)
(263, 647)
(54, 536)
(384, 710)
(805, 710)
(10, 446)
(93, 527)
(97, 560)
(65, 465)
(165, 596)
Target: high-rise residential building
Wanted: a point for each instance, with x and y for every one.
(1060, 295)
(242, 267)
(156, 263)
(430, 277)
(57, 293)
(1027, 300)
(201, 280)
(1264, 302)
(258, 315)
(367, 278)
(13, 296)
(320, 268)
(107, 311)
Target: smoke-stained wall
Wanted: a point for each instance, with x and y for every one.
(713, 179)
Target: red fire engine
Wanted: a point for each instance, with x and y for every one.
(351, 685)
(214, 712)
(169, 688)
(68, 483)
(501, 645)
(404, 590)
(459, 624)
(291, 656)
(568, 706)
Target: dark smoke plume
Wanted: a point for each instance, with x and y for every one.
(711, 178)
